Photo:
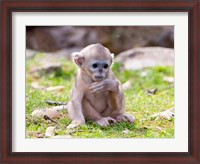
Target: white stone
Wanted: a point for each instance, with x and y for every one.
(50, 131)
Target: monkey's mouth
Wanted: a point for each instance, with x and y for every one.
(98, 78)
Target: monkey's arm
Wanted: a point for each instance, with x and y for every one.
(75, 109)
(116, 100)
(105, 85)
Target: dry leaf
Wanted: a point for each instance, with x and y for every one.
(55, 88)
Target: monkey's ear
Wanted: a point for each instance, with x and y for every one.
(78, 58)
(112, 55)
(112, 60)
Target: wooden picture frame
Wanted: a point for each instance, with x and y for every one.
(192, 7)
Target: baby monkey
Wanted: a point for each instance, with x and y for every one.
(96, 95)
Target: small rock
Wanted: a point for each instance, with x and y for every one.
(47, 68)
(143, 74)
(126, 131)
(126, 85)
(40, 135)
(52, 113)
(73, 125)
(35, 85)
(169, 79)
(50, 131)
(62, 136)
(55, 88)
(139, 58)
(32, 133)
(37, 113)
(167, 114)
(35, 134)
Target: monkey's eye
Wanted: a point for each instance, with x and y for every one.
(94, 65)
(105, 66)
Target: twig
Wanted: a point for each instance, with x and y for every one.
(55, 103)
(48, 118)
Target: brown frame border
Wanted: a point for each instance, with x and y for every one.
(9, 6)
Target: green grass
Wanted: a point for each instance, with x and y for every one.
(138, 103)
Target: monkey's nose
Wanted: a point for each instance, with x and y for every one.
(100, 71)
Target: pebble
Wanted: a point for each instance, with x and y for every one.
(126, 131)
(50, 131)
(52, 113)
(126, 85)
(169, 79)
(167, 114)
(40, 135)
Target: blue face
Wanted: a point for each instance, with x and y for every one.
(99, 69)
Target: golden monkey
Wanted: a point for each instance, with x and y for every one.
(96, 95)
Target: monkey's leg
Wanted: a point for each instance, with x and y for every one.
(117, 105)
(76, 114)
(116, 101)
(89, 111)
(91, 114)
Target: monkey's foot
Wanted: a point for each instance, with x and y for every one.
(125, 117)
(105, 121)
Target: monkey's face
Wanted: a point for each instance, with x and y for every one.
(95, 60)
(98, 69)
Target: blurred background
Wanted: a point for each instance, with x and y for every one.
(116, 38)
(136, 47)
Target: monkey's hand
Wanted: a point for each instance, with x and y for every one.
(105, 121)
(125, 117)
(105, 85)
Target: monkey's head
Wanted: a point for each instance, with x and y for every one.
(95, 60)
